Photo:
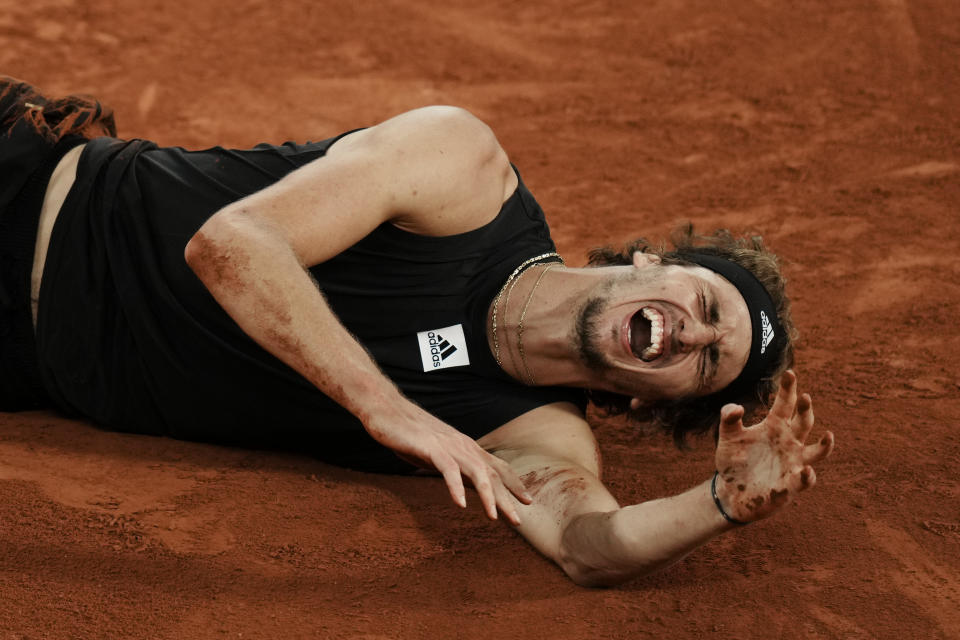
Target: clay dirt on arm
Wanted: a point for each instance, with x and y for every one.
(575, 521)
(435, 171)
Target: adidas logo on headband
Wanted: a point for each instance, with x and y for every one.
(767, 329)
(765, 326)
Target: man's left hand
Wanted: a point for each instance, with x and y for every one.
(762, 467)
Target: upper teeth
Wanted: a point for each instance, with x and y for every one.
(656, 333)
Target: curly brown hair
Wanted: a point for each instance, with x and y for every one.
(696, 415)
(52, 118)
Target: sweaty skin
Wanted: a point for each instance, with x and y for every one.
(439, 171)
(575, 521)
(577, 332)
(434, 171)
(762, 468)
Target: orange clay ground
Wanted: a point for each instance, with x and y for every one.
(830, 127)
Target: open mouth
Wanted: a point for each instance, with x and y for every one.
(646, 334)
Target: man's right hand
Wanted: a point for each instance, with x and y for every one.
(422, 439)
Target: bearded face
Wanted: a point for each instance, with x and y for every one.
(663, 332)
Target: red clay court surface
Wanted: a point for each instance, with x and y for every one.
(831, 127)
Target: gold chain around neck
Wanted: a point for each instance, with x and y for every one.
(523, 314)
(511, 282)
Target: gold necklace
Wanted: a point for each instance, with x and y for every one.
(496, 301)
(523, 314)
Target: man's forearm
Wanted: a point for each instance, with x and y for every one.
(439, 171)
(255, 276)
(575, 520)
(607, 548)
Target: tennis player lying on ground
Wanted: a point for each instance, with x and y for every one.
(387, 299)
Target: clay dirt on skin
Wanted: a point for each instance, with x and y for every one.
(831, 133)
(564, 483)
(536, 480)
(224, 265)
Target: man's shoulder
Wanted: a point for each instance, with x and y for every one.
(456, 174)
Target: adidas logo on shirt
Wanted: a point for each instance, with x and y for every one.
(443, 348)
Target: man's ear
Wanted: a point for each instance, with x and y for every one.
(641, 259)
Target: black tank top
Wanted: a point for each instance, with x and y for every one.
(128, 336)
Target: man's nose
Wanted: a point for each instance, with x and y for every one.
(693, 335)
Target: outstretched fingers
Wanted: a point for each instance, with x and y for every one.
(731, 420)
(786, 401)
(804, 421)
(808, 477)
(507, 482)
(480, 477)
(506, 503)
(510, 479)
(493, 494)
(493, 480)
(450, 471)
(818, 450)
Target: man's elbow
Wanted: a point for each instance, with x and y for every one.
(579, 553)
(217, 248)
(206, 247)
(586, 577)
(591, 555)
(585, 574)
(199, 246)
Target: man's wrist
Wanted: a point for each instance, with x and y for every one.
(377, 400)
(716, 500)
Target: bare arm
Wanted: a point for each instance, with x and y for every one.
(433, 171)
(576, 522)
